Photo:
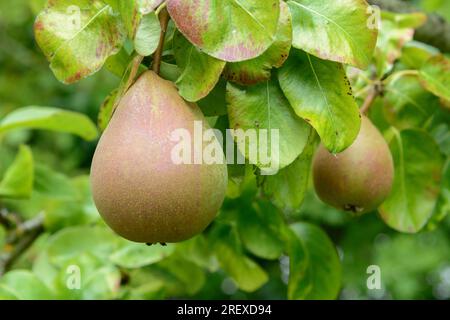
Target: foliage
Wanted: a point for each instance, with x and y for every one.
(272, 238)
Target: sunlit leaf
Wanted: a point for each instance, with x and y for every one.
(320, 93)
(47, 118)
(200, 72)
(78, 36)
(233, 30)
(147, 35)
(435, 76)
(18, 179)
(137, 255)
(264, 109)
(258, 69)
(25, 285)
(342, 31)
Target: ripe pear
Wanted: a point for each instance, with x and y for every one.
(358, 179)
(141, 193)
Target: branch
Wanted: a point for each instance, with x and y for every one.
(23, 237)
(8, 219)
(435, 32)
(375, 91)
(164, 21)
(24, 228)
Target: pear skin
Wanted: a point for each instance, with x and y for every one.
(358, 179)
(138, 189)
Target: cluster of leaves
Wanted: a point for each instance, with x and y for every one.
(291, 65)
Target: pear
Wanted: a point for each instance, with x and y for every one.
(140, 192)
(358, 179)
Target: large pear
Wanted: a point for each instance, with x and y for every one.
(358, 179)
(141, 193)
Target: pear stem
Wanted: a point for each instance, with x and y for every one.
(164, 21)
(375, 91)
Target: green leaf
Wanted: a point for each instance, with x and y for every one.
(407, 104)
(72, 241)
(147, 35)
(118, 63)
(2, 236)
(137, 255)
(259, 228)
(263, 108)
(104, 283)
(170, 71)
(45, 270)
(198, 251)
(248, 275)
(25, 285)
(200, 72)
(70, 206)
(442, 208)
(258, 69)
(106, 110)
(398, 29)
(65, 274)
(190, 275)
(315, 269)
(77, 37)
(287, 188)
(233, 30)
(241, 180)
(320, 93)
(133, 12)
(334, 30)
(53, 184)
(214, 104)
(415, 54)
(418, 165)
(435, 77)
(7, 293)
(129, 12)
(147, 6)
(18, 179)
(48, 118)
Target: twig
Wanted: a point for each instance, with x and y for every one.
(123, 88)
(8, 219)
(134, 70)
(23, 236)
(164, 21)
(370, 99)
(24, 228)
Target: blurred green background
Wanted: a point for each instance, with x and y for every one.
(413, 266)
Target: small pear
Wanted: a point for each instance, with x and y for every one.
(358, 179)
(141, 193)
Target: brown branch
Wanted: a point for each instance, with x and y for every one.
(8, 219)
(24, 228)
(375, 91)
(157, 57)
(436, 31)
(22, 238)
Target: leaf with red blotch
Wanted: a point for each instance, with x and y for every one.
(233, 30)
(78, 36)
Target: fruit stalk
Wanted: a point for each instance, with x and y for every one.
(164, 21)
(375, 91)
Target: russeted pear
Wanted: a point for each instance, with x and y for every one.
(141, 193)
(358, 179)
